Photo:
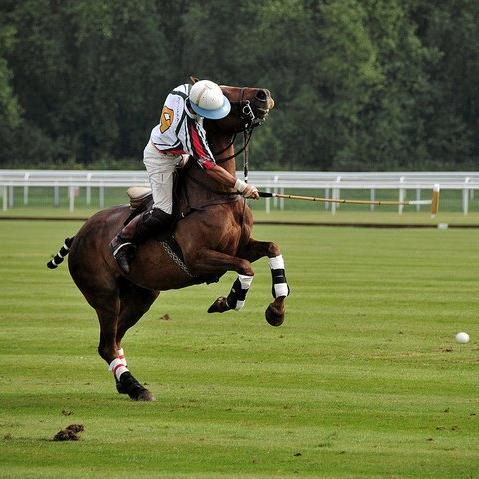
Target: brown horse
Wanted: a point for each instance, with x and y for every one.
(213, 235)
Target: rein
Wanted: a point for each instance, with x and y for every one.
(251, 122)
(247, 133)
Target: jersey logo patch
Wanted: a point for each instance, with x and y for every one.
(166, 119)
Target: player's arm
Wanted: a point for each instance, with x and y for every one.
(222, 176)
(201, 151)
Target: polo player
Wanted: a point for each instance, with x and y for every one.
(178, 136)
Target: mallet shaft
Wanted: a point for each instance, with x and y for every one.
(263, 194)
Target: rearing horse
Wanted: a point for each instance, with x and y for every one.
(214, 235)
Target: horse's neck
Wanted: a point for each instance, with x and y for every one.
(201, 188)
(224, 158)
(226, 150)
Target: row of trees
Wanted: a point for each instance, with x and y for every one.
(358, 84)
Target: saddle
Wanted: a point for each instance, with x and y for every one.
(140, 197)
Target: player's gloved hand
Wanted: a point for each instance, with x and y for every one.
(248, 191)
(251, 192)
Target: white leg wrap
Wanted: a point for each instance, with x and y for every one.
(277, 262)
(280, 287)
(239, 305)
(245, 281)
(117, 367)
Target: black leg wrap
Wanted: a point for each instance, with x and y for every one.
(236, 294)
(129, 385)
(120, 387)
(278, 277)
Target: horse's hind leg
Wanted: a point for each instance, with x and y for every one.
(134, 303)
(107, 307)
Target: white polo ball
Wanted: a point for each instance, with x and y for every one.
(462, 338)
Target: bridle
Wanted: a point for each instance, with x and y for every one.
(250, 121)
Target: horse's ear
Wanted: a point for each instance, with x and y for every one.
(193, 80)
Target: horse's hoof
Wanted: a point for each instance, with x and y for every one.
(142, 395)
(219, 306)
(120, 388)
(274, 315)
(129, 385)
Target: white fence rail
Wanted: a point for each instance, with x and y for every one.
(333, 183)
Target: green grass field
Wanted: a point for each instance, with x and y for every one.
(363, 380)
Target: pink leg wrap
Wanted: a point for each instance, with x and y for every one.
(117, 367)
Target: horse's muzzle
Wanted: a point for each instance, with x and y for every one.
(263, 102)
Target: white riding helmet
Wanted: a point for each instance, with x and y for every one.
(207, 100)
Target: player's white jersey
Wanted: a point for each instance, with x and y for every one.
(180, 131)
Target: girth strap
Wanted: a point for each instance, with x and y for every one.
(173, 250)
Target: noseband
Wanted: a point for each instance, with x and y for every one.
(247, 116)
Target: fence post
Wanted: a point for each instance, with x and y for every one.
(372, 197)
(336, 196)
(101, 192)
(71, 194)
(326, 195)
(11, 201)
(88, 189)
(25, 189)
(4, 198)
(465, 196)
(267, 202)
(418, 198)
(56, 194)
(402, 195)
(275, 190)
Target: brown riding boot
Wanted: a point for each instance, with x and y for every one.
(137, 230)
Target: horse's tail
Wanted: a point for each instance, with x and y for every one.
(64, 250)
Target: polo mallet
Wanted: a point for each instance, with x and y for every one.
(434, 202)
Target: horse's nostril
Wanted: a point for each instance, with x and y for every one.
(262, 95)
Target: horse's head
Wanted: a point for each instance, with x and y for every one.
(249, 108)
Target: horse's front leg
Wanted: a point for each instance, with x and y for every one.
(254, 250)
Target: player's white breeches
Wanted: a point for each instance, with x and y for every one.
(160, 168)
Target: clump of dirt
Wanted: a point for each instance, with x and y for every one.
(70, 433)
(166, 317)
